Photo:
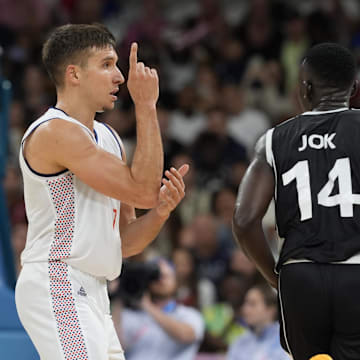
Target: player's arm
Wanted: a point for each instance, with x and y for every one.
(254, 196)
(64, 145)
(148, 160)
(137, 233)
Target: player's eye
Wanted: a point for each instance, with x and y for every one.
(107, 65)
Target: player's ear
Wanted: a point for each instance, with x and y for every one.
(72, 74)
(355, 88)
(309, 90)
(355, 95)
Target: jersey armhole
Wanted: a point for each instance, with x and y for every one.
(117, 139)
(268, 147)
(26, 163)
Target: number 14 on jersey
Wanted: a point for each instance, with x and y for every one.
(340, 171)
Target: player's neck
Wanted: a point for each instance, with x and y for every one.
(331, 100)
(77, 110)
(330, 104)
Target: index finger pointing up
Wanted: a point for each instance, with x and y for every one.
(133, 55)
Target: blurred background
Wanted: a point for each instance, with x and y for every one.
(228, 71)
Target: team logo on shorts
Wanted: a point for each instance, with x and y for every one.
(82, 291)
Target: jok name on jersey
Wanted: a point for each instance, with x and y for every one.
(317, 142)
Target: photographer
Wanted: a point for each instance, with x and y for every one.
(159, 328)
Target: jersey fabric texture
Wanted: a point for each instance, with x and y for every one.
(73, 245)
(316, 166)
(68, 220)
(315, 159)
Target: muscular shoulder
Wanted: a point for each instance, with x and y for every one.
(56, 130)
(55, 138)
(260, 148)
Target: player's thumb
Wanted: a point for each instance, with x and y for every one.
(183, 169)
(321, 357)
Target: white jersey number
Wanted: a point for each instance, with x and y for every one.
(340, 171)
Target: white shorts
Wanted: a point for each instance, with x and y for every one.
(66, 313)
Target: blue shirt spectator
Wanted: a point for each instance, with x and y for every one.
(143, 338)
(159, 328)
(264, 346)
(262, 342)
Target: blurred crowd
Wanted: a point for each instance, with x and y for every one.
(228, 71)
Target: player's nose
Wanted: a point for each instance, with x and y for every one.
(118, 77)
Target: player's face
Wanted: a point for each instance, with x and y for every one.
(255, 312)
(101, 78)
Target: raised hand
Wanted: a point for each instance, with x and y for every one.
(143, 82)
(172, 191)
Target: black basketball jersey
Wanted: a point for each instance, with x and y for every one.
(316, 161)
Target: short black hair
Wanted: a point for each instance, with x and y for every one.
(70, 44)
(332, 64)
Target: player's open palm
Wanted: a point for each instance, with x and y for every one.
(143, 82)
(172, 191)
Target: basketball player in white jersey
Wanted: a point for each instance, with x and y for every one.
(80, 195)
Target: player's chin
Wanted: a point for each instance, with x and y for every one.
(109, 106)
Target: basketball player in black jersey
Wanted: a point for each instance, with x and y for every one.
(310, 165)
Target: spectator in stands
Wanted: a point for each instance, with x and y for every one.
(240, 264)
(293, 47)
(14, 196)
(258, 31)
(212, 257)
(161, 329)
(262, 341)
(171, 146)
(186, 121)
(186, 238)
(223, 320)
(231, 63)
(245, 124)
(36, 96)
(198, 199)
(124, 122)
(17, 128)
(264, 85)
(236, 173)
(215, 150)
(223, 203)
(191, 290)
(207, 85)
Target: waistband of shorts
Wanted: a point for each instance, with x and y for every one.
(355, 260)
(99, 279)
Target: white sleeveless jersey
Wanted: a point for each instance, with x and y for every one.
(68, 220)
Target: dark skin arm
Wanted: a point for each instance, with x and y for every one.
(254, 196)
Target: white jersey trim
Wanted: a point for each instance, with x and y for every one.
(268, 147)
(324, 112)
(283, 316)
(355, 260)
(51, 114)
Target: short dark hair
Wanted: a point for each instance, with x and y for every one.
(332, 64)
(69, 43)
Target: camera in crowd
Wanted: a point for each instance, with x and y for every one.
(135, 280)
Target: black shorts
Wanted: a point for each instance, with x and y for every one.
(320, 310)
